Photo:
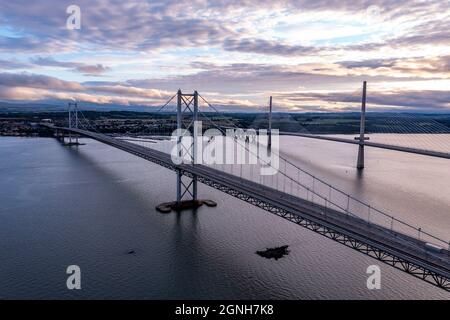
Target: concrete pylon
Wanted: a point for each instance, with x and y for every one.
(270, 123)
(362, 129)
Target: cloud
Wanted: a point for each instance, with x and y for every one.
(25, 86)
(417, 66)
(242, 50)
(257, 78)
(9, 44)
(135, 25)
(150, 25)
(61, 97)
(13, 64)
(267, 47)
(372, 64)
(425, 100)
(37, 81)
(119, 89)
(38, 87)
(92, 69)
(35, 87)
(96, 69)
(434, 32)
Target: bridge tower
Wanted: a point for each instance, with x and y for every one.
(362, 130)
(187, 107)
(187, 116)
(73, 121)
(269, 144)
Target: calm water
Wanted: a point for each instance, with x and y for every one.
(90, 206)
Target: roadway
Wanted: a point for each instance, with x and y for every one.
(371, 144)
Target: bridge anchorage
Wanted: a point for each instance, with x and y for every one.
(187, 115)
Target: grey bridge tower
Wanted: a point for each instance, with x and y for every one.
(187, 107)
(187, 116)
(73, 121)
(73, 124)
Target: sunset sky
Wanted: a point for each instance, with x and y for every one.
(309, 55)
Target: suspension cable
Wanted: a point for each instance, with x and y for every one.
(331, 187)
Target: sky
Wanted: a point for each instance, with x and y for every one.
(310, 55)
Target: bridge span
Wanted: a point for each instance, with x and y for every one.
(371, 144)
(365, 143)
(409, 254)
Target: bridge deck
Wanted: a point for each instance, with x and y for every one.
(402, 247)
(429, 153)
(378, 145)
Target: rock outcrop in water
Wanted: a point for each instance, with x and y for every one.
(276, 253)
(167, 207)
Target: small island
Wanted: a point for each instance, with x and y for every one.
(276, 253)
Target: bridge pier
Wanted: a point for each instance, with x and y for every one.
(59, 135)
(360, 162)
(186, 104)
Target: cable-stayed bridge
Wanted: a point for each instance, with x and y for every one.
(293, 194)
(416, 127)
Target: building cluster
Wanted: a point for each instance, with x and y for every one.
(18, 127)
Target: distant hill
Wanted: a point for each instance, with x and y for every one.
(29, 107)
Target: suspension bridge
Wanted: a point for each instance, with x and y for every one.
(299, 197)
